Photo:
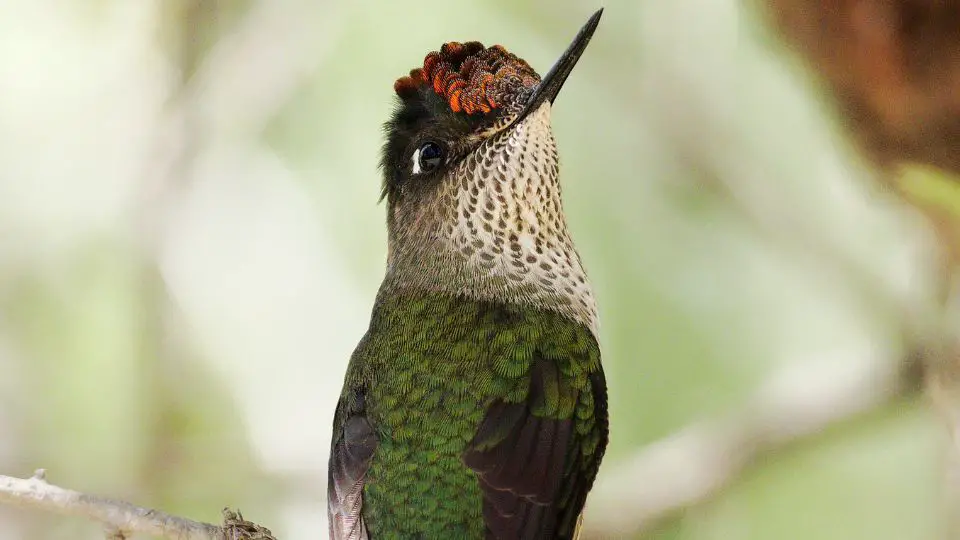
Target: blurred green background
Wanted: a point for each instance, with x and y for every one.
(190, 246)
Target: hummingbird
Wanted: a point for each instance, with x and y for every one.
(475, 406)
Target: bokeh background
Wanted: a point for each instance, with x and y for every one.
(190, 244)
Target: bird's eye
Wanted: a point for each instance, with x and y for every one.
(427, 158)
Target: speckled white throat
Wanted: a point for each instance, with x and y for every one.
(494, 228)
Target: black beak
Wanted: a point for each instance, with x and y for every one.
(550, 85)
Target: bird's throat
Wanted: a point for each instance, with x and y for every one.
(496, 230)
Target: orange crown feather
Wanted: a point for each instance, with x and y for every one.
(472, 79)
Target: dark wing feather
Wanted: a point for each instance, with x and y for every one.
(532, 468)
(585, 466)
(354, 443)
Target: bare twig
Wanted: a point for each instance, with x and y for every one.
(121, 519)
(696, 463)
(118, 517)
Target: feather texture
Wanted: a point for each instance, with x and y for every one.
(350, 455)
(477, 420)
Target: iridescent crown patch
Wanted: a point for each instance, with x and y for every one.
(471, 78)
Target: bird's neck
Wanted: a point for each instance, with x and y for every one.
(496, 231)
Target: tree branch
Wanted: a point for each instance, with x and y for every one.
(120, 518)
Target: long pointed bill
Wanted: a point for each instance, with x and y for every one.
(550, 85)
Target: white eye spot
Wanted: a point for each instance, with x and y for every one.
(416, 162)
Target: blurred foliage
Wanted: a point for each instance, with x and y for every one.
(869, 479)
(198, 368)
(932, 186)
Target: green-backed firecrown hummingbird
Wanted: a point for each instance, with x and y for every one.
(475, 406)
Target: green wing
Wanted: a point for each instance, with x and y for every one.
(536, 460)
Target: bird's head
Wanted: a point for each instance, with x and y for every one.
(470, 168)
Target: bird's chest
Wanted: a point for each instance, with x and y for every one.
(425, 401)
(432, 396)
(431, 368)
